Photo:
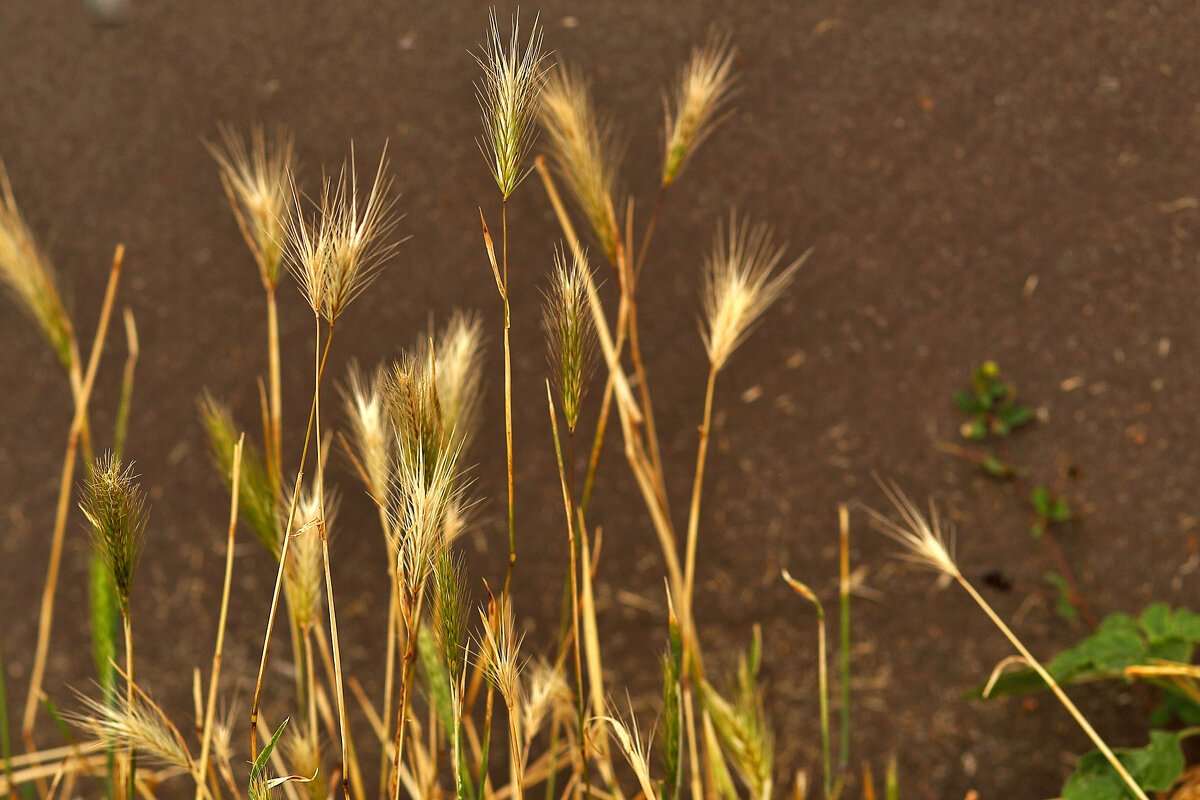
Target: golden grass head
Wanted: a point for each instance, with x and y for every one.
(500, 651)
(26, 272)
(924, 540)
(458, 367)
(301, 753)
(703, 90)
(585, 151)
(512, 77)
(571, 339)
(371, 435)
(337, 254)
(741, 283)
(115, 506)
(414, 406)
(546, 693)
(257, 502)
(421, 495)
(256, 180)
(138, 725)
(305, 568)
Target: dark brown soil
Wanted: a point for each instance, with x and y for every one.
(941, 157)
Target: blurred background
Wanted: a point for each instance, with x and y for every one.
(979, 181)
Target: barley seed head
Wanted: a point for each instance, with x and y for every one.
(26, 272)
(371, 435)
(305, 568)
(741, 283)
(337, 253)
(138, 725)
(507, 94)
(571, 339)
(500, 649)
(703, 90)
(459, 375)
(585, 151)
(115, 505)
(924, 540)
(257, 180)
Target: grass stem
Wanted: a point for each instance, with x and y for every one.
(46, 614)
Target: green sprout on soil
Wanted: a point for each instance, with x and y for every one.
(995, 414)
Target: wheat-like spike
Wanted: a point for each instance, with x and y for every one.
(507, 94)
(741, 283)
(585, 151)
(336, 254)
(301, 748)
(115, 505)
(569, 332)
(546, 691)
(256, 178)
(420, 496)
(304, 572)
(450, 609)
(924, 540)
(704, 88)
(371, 435)
(26, 272)
(500, 652)
(459, 375)
(137, 725)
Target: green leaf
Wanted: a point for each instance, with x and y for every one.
(1120, 642)
(997, 468)
(1154, 767)
(1063, 605)
(1059, 510)
(967, 403)
(1016, 416)
(260, 763)
(1039, 499)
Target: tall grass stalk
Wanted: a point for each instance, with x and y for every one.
(822, 679)
(46, 613)
(844, 646)
(215, 675)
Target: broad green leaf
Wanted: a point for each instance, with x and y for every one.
(1155, 767)
(260, 763)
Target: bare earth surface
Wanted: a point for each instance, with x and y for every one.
(979, 180)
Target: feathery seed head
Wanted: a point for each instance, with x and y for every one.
(26, 272)
(450, 609)
(458, 366)
(414, 405)
(500, 652)
(115, 505)
(336, 255)
(257, 502)
(585, 151)
(740, 284)
(704, 88)
(924, 540)
(256, 179)
(421, 495)
(570, 336)
(304, 572)
(138, 725)
(546, 692)
(507, 93)
(370, 434)
(301, 753)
